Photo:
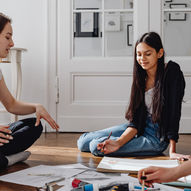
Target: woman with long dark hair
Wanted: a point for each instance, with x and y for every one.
(15, 138)
(154, 110)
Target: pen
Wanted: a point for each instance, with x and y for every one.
(49, 185)
(109, 135)
(55, 181)
(107, 139)
(143, 183)
(39, 174)
(146, 189)
(139, 188)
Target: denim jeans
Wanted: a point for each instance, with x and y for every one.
(149, 144)
(24, 134)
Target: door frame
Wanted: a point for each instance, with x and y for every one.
(52, 84)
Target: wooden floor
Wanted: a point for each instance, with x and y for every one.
(54, 149)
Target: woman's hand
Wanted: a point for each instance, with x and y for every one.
(108, 146)
(157, 175)
(181, 157)
(5, 134)
(42, 113)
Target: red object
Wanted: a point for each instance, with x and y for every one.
(75, 183)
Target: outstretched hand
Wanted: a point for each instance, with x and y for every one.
(42, 113)
(108, 146)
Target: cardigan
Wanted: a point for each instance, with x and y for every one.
(173, 91)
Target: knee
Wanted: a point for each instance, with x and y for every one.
(82, 143)
(37, 129)
(93, 148)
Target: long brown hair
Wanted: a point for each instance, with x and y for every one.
(137, 96)
(3, 21)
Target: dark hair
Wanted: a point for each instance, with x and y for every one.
(3, 21)
(137, 97)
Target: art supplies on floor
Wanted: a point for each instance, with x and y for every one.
(65, 176)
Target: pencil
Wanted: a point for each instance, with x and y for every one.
(109, 135)
(107, 139)
(143, 183)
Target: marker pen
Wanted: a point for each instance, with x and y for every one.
(146, 189)
(139, 188)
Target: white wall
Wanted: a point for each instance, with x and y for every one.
(30, 31)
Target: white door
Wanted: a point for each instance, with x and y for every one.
(94, 66)
(172, 19)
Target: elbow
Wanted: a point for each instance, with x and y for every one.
(10, 107)
(133, 130)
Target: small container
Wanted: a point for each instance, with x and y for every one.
(77, 183)
(87, 187)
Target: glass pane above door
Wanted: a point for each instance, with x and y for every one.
(118, 4)
(87, 39)
(81, 4)
(118, 34)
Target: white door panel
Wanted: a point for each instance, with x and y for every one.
(93, 91)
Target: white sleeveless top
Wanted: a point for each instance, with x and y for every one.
(1, 75)
(149, 99)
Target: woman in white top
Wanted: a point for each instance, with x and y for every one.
(154, 109)
(18, 136)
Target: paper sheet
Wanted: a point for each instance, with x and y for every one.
(131, 165)
(186, 179)
(39, 175)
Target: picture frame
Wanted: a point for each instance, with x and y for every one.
(129, 35)
(112, 21)
(177, 5)
(87, 24)
(177, 16)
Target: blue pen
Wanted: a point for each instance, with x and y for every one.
(139, 188)
(146, 189)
